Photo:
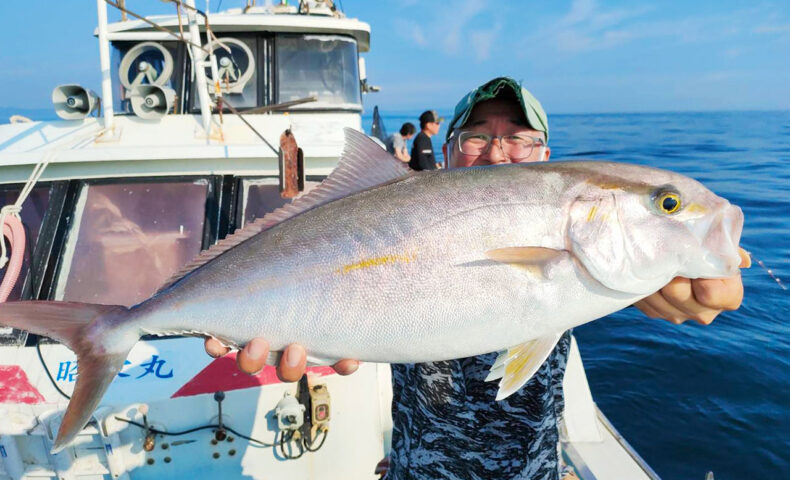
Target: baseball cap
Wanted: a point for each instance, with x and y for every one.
(430, 116)
(533, 111)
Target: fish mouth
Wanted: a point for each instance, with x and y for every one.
(721, 242)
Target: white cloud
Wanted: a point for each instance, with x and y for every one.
(483, 42)
(588, 26)
(410, 31)
(450, 25)
(773, 28)
(448, 28)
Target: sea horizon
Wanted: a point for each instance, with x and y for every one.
(48, 113)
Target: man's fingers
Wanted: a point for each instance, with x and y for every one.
(346, 366)
(679, 293)
(215, 348)
(644, 306)
(719, 293)
(292, 363)
(252, 358)
(664, 309)
(746, 259)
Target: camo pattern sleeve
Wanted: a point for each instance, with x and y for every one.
(446, 423)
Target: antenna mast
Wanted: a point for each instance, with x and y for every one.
(200, 67)
(104, 62)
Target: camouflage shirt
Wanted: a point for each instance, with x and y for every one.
(446, 423)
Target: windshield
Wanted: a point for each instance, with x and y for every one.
(324, 66)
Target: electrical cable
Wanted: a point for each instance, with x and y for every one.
(303, 446)
(282, 445)
(196, 429)
(309, 447)
(46, 370)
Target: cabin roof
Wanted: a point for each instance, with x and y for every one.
(234, 21)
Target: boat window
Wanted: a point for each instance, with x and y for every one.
(325, 66)
(237, 71)
(128, 238)
(262, 195)
(143, 63)
(33, 210)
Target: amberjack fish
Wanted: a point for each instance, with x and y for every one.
(382, 264)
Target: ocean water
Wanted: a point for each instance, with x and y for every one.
(693, 398)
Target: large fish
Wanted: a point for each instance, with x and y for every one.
(386, 265)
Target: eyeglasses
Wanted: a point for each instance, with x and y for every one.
(515, 147)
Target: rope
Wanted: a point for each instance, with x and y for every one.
(16, 208)
(35, 175)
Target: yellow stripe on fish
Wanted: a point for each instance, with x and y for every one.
(376, 261)
(591, 215)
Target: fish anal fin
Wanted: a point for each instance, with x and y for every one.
(520, 363)
(362, 165)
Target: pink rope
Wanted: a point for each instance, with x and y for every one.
(15, 233)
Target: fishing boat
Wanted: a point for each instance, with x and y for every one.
(205, 122)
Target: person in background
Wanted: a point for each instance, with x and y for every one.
(446, 423)
(422, 157)
(396, 143)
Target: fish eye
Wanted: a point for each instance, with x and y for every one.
(668, 202)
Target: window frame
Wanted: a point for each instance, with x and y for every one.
(47, 260)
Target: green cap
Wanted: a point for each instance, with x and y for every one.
(533, 111)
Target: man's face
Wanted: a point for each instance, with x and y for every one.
(495, 117)
(432, 127)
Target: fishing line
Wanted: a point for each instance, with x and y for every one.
(768, 271)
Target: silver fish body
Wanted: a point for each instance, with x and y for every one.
(397, 273)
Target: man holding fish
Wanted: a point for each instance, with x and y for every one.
(447, 422)
(504, 259)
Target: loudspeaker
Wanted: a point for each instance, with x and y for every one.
(151, 101)
(73, 102)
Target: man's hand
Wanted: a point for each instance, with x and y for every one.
(252, 358)
(700, 300)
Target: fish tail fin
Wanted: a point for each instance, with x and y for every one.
(81, 327)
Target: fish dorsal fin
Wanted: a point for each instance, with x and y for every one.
(519, 363)
(362, 165)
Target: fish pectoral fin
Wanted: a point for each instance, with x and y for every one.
(518, 364)
(534, 259)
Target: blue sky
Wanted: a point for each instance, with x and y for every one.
(579, 56)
